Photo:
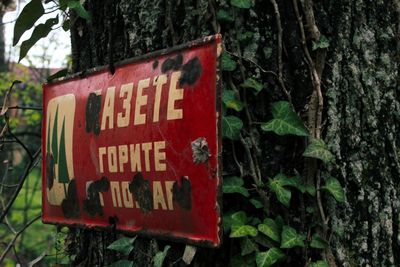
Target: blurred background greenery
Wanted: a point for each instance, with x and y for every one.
(38, 241)
(39, 244)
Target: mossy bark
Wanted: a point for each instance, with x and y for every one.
(361, 114)
(363, 132)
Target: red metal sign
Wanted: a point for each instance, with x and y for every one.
(137, 150)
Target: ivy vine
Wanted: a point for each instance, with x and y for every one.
(265, 237)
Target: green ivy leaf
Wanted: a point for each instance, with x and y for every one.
(224, 16)
(29, 15)
(241, 3)
(160, 256)
(231, 126)
(297, 182)
(251, 83)
(227, 63)
(294, 181)
(121, 263)
(290, 238)
(230, 100)
(285, 121)
(234, 185)
(257, 204)
(40, 31)
(318, 242)
(239, 218)
(318, 264)
(270, 229)
(322, 43)
(63, 4)
(269, 258)
(277, 186)
(247, 246)
(79, 9)
(333, 186)
(318, 149)
(243, 230)
(123, 245)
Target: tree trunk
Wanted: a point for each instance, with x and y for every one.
(346, 89)
(363, 131)
(3, 63)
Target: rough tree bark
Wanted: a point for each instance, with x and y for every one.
(4, 6)
(347, 93)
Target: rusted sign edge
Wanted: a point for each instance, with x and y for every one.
(217, 39)
(218, 109)
(81, 74)
(143, 233)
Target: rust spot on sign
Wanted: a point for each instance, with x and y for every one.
(70, 205)
(113, 220)
(183, 194)
(155, 64)
(93, 106)
(191, 72)
(140, 188)
(49, 170)
(92, 204)
(172, 64)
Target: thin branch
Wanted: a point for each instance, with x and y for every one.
(320, 206)
(26, 133)
(280, 63)
(8, 185)
(253, 172)
(246, 107)
(5, 175)
(25, 108)
(253, 62)
(238, 164)
(6, 100)
(16, 255)
(28, 168)
(38, 259)
(8, 141)
(21, 144)
(11, 244)
(3, 131)
(9, 226)
(309, 13)
(316, 102)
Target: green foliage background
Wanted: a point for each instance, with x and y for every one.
(38, 239)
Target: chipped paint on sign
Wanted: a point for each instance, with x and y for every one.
(137, 151)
